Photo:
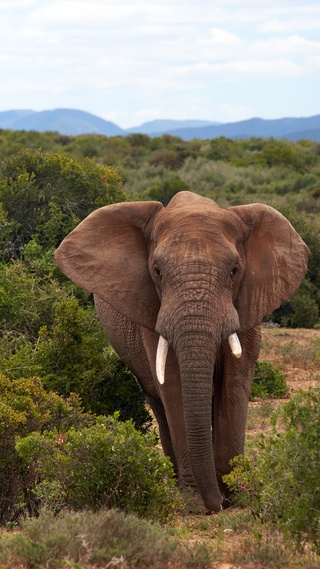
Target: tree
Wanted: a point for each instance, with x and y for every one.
(165, 190)
(44, 195)
(70, 354)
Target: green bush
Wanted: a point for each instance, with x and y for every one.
(73, 356)
(67, 457)
(27, 299)
(281, 484)
(69, 352)
(165, 190)
(107, 465)
(45, 194)
(223, 148)
(268, 382)
(25, 407)
(302, 310)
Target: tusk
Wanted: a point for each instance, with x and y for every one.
(235, 345)
(161, 359)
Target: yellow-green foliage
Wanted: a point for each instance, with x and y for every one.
(44, 195)
(25, 407)
(268, 382)
(109, 464)
(54, 454)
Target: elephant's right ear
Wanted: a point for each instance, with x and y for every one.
(107, 254)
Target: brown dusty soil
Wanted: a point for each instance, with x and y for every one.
(293, 351)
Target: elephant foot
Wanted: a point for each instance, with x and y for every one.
(211, 512)
(193, 503)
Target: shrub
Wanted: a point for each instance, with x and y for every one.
(26, 407)
(302, 310)
(103, 539)
(69, 353)
(74, 357)
(281, 484)
(95, 539)
(268, 382)
(67, 457)
(165, 190)
(109, 464)
(27, 300)
(171, 159)
(223, 148)
(45, 194)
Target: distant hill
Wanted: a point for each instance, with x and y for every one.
(255, 127)
(164, 126)
(313, 134)
(8, 119)
(75, 122)
(64, 121)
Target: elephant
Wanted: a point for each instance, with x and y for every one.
(181, 292)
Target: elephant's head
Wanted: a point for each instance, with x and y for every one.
(196, 274)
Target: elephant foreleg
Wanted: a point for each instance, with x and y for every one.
(232, 385)
(164, 432)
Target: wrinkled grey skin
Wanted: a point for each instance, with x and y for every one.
(194, 273)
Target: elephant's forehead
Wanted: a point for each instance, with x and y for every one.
(190, 221)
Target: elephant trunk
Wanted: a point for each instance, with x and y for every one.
(196, 369)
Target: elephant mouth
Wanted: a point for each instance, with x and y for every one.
(162, 352)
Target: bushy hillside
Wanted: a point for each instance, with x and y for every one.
(40, 201)
(230, 171)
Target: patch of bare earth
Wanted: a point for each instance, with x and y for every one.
(296, 352)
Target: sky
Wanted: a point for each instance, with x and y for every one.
(132, 61)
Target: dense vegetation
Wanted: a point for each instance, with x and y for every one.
(51, 345)
(43, 194)
(290, 497)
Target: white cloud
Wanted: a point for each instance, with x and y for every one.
(294, 46)
(300, 19)
(150, 57)
(274, 27)
(267, 68)
(313, 62)
(71, 14)
(250, 67)
(220, 37)
(231, 113)
(16, 4)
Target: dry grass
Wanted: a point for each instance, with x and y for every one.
(296, 352)
(236, 541)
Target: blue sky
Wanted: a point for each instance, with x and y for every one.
(130, 61)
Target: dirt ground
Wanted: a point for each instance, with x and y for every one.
(296, 352)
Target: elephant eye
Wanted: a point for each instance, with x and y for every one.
(158, 272)
(234, 272)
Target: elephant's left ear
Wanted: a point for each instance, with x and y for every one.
(276, 263)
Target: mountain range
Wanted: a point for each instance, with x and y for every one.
(73, 122)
